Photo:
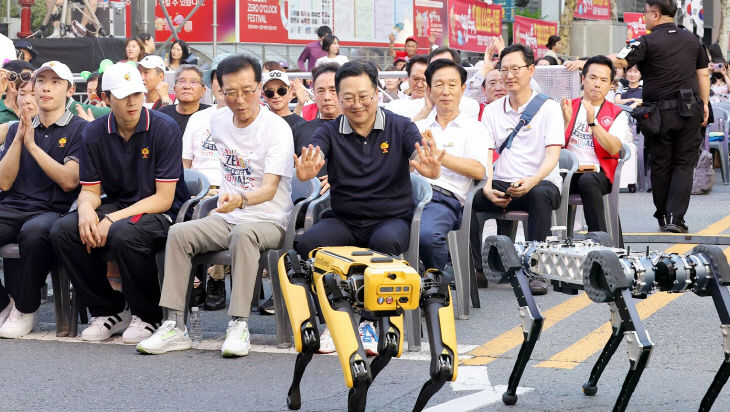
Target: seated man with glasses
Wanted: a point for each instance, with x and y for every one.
(189, 89)
(277, 93)
(410, 107)
(369, 153)
(526, 175)
(255, 150)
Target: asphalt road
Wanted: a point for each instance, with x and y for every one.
(45, 373)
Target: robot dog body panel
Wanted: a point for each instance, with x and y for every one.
(347, 280)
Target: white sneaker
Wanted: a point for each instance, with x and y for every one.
(369, 338)
(138, 330)
(103, 327)
(6, 312)
(326, 344)
(18, 324)
(238, 340)
(167, 338)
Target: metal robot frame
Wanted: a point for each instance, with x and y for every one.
(617, 277)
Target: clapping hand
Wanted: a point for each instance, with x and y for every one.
(309, 163)
(428, 161)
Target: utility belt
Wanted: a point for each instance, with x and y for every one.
(648, 115)
(444, 192)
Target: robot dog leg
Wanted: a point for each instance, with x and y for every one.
(295, 282)
(439, 313)
(390, 330)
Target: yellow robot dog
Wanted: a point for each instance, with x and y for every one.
(345, 280)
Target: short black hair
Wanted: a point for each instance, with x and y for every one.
(600, 59)
(439, 64)
(324, 68)
(417, 59)
(328, 41)
(354, 69)
(552, 40)
(550, 59)
(18, 66)
(527, 53)
(323, 31)
(454, 54)
(236, 63)
(666, 7)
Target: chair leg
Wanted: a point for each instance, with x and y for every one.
(724, 163)
(572, 209)
(461, 275)
(283, 327)
(61, 303)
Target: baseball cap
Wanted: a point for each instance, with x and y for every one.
(153, 62)
(275, 75)
(57, 67)
(284, 64)
(411, 38)
(213, 66)
(122, 79)
(25, 44)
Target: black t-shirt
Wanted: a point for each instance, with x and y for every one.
(632, 93)
(180, 119)
(668, 59)
(303, 133)
(293, 120)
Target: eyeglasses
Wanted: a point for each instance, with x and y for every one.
(281, 91)
(186, 82)
(364, 100)
(24, 76)
(514, 70)
(235, 94)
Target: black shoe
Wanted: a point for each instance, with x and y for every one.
(197, 297)
(215, 299)
(676, 225)
(482, 281)
(267, 308)
(538, 286)
(662, 220)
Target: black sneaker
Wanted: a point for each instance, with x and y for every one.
(215, 298)
(267, 308)
(197, 297)
(676, 225)
(538, 286)
(662, 220)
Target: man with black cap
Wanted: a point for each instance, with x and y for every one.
(25, 50)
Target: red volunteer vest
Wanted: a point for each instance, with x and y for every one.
(606, 116)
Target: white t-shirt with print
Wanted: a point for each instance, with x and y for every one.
(462, 137)
(525, 156)
(199, 147)
(266, 146)
(581, 138)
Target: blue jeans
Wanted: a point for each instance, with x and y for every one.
(440, 216)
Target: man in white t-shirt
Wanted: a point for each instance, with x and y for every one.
(410, 106)
(467, 144)
(255, 149)
(526, 175)
(594, 129)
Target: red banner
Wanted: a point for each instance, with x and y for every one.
(636, 27)
(593, 9)
(429, 20)
(199, 27)
(472, 24)
(533, 33)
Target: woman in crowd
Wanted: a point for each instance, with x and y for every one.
(331, 44)
(134, 50)
(391, 86)
(179, 52)
(554, 45)
(720, 81)
(631, 96)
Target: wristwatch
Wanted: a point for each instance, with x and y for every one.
(245, 201)
(592, 124)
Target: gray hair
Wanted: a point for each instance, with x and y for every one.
(186, 67)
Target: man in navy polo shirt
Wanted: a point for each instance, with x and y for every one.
(134, 154)
(368, 152)
(39, 179)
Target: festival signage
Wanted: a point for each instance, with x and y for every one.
(473, 24)
(199, 27)
(533, 33)
(429, 21)
(593, 9)
(636, 27)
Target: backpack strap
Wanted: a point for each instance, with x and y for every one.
(527, 115)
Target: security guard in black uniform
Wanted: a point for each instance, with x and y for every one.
(676, 93)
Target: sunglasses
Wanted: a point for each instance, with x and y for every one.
(24, 76)
(281, 91)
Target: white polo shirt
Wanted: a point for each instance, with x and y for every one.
(411, 107)
(523, 159)
(463, 137)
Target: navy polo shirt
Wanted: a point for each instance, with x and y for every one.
(128, 170)
(33, 190)
(369, 176)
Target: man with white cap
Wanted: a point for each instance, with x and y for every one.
(152, 68)
(135, 154)
(277, 93)
(39, 179)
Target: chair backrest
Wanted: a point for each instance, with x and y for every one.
(197, 183)
(304, 190)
